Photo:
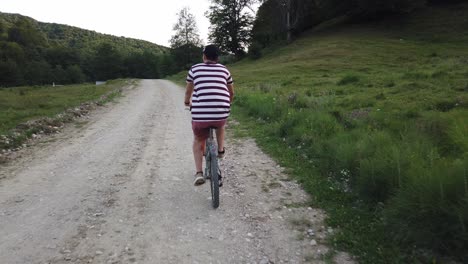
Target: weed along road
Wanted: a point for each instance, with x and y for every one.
(118, 189)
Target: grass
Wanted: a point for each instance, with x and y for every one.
(371, 119)
(49, 107)
(20, 104)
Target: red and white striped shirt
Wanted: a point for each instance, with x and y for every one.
(210, 98)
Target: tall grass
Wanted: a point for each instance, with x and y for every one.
(384, 122)
(415, 176)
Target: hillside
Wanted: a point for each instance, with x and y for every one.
(36, 53)
(81, 38)
(372, 119)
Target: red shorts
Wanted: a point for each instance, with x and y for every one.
(202, 129)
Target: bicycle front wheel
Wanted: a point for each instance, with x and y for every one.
(214, 180)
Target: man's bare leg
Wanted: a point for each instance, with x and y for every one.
(220, 138)
(198, 153)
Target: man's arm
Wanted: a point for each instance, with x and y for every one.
(231, 91)
(188, 93)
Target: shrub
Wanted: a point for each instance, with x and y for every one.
(431, 210)
(445, 105)
(380, 96)
(348, 79)
(341, 154)
(458, 132)
(380, 166)
(255, 51)
(436, 126)
(263, 106)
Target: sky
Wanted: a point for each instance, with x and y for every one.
(150, 20)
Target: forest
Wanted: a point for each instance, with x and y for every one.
(35, 53)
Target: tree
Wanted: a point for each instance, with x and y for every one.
(143, 65)
(2, 29)
(26, 34)
(12, 50)
(75, 74)
(295, 15)
(108, 62)
(186, 31)
(185, 43)
(230, 25)
(10, 73)
(59, 75)
(61, 55)
(167, 66)
(38, 72)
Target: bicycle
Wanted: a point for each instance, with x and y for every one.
(212, 171)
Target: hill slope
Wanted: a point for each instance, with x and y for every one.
(372, 119)
(35, 53)
(80, 38)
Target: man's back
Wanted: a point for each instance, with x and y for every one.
(211, 97)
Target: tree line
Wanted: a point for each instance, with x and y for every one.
(235, 29)
(34, 53)
(282, 20)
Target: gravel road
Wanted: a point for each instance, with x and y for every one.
(116, 187)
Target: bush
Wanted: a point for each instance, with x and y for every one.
(265, 107)
(431, 210)
(436, 126)
(458, 132)
(380, 167)
(75, 74)
(255, 50)
(348, 79)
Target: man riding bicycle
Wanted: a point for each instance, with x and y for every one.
(209, 92)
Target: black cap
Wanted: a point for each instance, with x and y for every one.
(211, 52)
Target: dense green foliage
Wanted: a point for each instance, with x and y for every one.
(33, 53)
(373, 120)
(230, 25)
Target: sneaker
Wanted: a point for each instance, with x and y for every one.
(199, 179)
(221, 154)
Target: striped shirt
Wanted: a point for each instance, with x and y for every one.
(210, 98)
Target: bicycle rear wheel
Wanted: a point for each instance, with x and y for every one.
(214, 180)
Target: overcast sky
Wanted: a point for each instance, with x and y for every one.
(150, 20)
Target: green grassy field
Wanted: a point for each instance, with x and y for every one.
(373, 121)
(20, 104)
(48, 107)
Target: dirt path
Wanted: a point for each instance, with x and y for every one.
(119, 190)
